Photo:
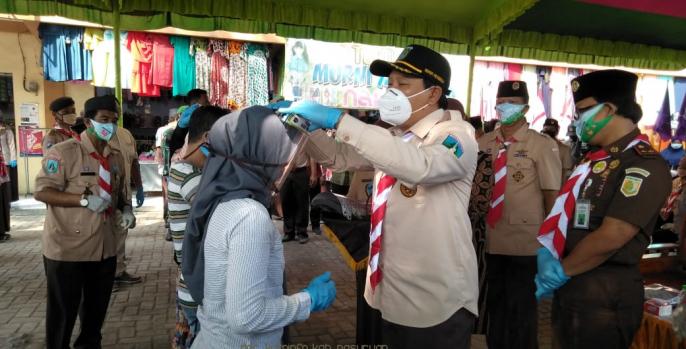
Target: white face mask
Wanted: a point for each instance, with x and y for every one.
(395, 107)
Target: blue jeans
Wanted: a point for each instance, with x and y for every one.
(193, 323)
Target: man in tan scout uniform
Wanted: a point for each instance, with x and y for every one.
(525, 186)
(82, 184)
(552, 128)
(422, 275)
(64, 112)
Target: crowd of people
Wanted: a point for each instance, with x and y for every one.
(472, 222)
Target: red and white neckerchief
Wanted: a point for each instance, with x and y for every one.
(553, 232)
(382, 192)
(498, 192)
(104, 180)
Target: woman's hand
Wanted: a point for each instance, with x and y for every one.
(322, 291)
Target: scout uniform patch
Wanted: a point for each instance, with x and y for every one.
(52, 166)
(407, 191)
(631, 186)
(518, 176)
(614, 164)
(599, 167)
(451, 143)
(637, 170)
(521, 153)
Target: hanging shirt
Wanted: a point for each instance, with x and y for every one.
(91, 40)
(238, 71)
(219, 90)
(54, 52)
(141, 46)
(184, 65)
(104, 64)
(202, 64)
(75, 66)
(258, 77)
(162, 60)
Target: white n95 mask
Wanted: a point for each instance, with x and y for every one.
(395, 107)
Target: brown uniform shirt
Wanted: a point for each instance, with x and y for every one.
(427, 257)
(630, 186)
(566, 160)
(533, 165)
(75, 234)
(124, 142)
(53, 137)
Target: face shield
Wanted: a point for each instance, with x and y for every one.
(297, 131)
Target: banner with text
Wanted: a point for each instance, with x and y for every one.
(337, 74)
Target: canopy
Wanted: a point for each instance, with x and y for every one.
(633, 33)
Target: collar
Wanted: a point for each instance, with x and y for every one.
(617, 147)
(520, 135)
(90, 148)
(422, 127)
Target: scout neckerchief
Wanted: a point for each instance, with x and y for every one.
(498, 192)
(104, 182)
(379, 200)
(553, 232)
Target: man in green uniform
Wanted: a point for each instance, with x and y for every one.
(603, 219)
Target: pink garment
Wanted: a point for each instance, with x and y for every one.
(162, 61)
(141, 47)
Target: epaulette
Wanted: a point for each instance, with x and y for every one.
(645, 150)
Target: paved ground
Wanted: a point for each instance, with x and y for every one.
(142, 316)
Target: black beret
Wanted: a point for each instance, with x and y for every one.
(513, 89)
(61, 103)
(418, 61)
(101, 103)
(605, 85)
(551, 122)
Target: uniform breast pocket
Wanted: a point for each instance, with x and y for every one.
(521, 172)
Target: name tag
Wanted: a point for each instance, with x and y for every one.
(87, 173)
(582, 214)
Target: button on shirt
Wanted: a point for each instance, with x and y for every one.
(77, 234)
(427, 257)
(533, 165)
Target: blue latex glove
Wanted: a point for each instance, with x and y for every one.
(541, 290)
(140, 196)
(13, 163)
(318, 115)
(322, 291)
(280, 104)
(551, 275)
(185, 118)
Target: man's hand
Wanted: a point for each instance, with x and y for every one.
(313, 181)
(140, 196)
(127, 220)
(551, 275)
(318, 115)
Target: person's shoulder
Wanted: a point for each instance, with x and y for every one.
(67, 146)
(487, 138)
(540, 137)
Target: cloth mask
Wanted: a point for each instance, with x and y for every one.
(104, 131)
(509, 113)
(69, 119)
(395, 107)
(586, 128)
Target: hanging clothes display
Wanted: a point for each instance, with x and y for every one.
(54, 52)
(238, 72)
(74, 39)
(141, 46)
(92, 38)
(202, 64)
(184, 65)
(219, 76)
(258, 77)
(162, 60)
(104, 65)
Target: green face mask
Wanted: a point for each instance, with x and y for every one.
(587, 128)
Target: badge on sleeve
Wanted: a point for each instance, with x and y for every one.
(52, 166)
(582, 214)
(452, 143)
(636, 170)
(631, 186)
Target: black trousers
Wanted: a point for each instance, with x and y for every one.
(74, 284)
(455, 333)
(14, 185)
(295, 201)
(315, 213)
(511, 302)
(5, 200)
(601, 308)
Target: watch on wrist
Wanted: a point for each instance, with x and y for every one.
(84, 201)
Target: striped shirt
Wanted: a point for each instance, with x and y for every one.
(244, 305)
(183, 184)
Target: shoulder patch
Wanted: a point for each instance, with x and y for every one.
(636, 170)
(631, 186)
(453, 143)
(51, 166)
(645, 150)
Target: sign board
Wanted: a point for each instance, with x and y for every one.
(30, 141)
(28, 113)
(337, 74)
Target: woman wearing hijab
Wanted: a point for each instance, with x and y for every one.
(233, 258)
